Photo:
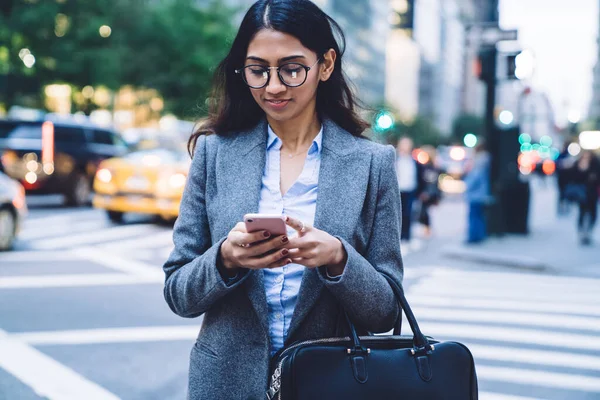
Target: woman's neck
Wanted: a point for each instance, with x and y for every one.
(298, 133)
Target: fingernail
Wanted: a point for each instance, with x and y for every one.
(284, 252)
(288, 261)
(284, 239)
(267, 234)
(287, 219)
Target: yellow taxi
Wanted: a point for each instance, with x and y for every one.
(147, 182)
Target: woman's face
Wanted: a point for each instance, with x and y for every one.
(271, 48)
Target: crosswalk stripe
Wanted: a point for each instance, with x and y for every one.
(517, 318)
(543, 307)
(75, 280)
(436, 288)
(508, 335)
(119, 263)
(539, 378)
(513, 278)
(47, 377)
(535, 357)
(61, 219)
(34, 256)
(109, 335)
(497, 396)
(102, 235)
(162, 239)
(524, 285)
(62, 229)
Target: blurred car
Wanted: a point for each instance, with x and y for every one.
(453, 162)
(146, 181)
(13, 209)
(50, 157)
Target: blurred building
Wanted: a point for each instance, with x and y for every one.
(365, 25)
(594, 110)
(429, 69)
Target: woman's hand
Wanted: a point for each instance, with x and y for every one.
(254, 250)
(313, 248)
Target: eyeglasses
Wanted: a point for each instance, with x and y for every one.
(257, 76)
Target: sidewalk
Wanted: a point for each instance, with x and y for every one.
(552, 244)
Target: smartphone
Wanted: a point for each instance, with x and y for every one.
(273, 223)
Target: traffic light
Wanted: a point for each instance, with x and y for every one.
(384, 121)
(485, 68)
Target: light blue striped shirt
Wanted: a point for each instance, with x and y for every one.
(283, 284)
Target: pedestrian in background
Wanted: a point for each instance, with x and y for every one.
(563, 164)
(284, 138)
(410, 182)
(583, 187)
(431, 193)
(477, 194)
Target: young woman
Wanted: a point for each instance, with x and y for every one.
(283, 138)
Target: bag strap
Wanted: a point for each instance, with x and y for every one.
(419, 340)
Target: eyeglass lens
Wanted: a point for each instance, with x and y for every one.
(291, 74)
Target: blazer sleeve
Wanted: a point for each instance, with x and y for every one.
(362, 290)
(193, 282)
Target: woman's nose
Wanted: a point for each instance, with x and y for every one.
(275, 85)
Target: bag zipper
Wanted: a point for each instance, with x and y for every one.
(275, 386)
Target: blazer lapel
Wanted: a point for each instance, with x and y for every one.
(343, 181)
(243, 168)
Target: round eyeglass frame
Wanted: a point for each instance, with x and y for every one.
(278, 69)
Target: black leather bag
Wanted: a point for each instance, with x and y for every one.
(375, 367)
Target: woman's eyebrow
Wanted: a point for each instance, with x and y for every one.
(280, 60)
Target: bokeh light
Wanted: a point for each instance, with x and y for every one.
(506, 117)
(524, 138)
(574, 149)
(470, 140)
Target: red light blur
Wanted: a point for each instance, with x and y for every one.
(548, 167)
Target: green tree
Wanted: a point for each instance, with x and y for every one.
(171, 46)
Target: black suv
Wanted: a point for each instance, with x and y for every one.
(50, 157)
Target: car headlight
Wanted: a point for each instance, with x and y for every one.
(177, 181)
(104, 175)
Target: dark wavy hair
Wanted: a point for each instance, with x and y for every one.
(231, 106)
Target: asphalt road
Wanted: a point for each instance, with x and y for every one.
(82, 316)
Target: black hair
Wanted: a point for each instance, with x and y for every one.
(231, 105)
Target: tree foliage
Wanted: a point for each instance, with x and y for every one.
(169, 45)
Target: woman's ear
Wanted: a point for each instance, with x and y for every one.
(328, 65)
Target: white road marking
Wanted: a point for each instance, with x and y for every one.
(61, 229)
(103, 235)
(35, 256)
(514, 335)
(535, 357)
(501, 304)
(498, 396)
(47, 377)
(508, 317)
(500, 278)
(160, 239)
(118, 263)
(529, 377)
(62, 219)
(437, 288)
(110, 335)
(75, 280)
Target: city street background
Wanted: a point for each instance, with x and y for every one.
(98, 99)
(81, 305)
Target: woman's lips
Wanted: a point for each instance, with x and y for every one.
(277, 104)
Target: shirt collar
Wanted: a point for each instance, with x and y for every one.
(274, 142)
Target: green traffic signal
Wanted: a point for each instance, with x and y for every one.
(384, 121)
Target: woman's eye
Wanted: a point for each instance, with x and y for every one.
(257, 71)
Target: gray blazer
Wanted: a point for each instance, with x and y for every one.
(358, 202)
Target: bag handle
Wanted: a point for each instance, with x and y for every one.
(419, 340)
